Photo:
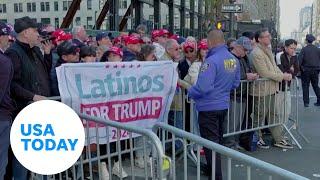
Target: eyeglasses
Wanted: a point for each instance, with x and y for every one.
(148, 42)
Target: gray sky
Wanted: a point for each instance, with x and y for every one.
(289, 15)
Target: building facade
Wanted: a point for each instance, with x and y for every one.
(316, 19)
(53, 11)
(261, 10)
(305, 17)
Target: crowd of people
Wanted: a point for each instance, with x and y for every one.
(209, 70)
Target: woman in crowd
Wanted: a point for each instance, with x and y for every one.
(114, 54)
(192, 76)
(88, 54)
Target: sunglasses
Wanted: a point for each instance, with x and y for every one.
(190, 51)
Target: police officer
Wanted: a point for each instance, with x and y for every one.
(309, 59)
(219, 74)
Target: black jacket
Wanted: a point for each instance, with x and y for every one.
(309, 58)
(53, 78)
(6, 75)
(244, 69)
(183, 68)
(129, 56)
(31, 73)
(286, 64)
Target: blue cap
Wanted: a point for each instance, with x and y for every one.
(4, 29)
(101, 35)
(244, 42)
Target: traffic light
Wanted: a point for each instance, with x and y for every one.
(222, 25)
(219, 25)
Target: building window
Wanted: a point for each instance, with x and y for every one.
(89, 23)
(78, 21)
(56, 22)
(56, 6)
(123, 4)
(66, 5)
(3, 8)
(89, 4)
(31, 7)
(151, 17)
(45, 20)
(4, 20)
(17, 7)
(45, 6)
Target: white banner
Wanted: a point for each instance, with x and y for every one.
(136, 93)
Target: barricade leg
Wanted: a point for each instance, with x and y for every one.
(291, 135)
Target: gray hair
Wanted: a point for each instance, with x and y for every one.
(146, 50)
(142, 27)
(169, 44)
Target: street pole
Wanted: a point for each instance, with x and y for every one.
(95, 20)
(231, 28)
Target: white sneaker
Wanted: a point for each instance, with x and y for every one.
(104, 171)
(139, 162)
(116, 170)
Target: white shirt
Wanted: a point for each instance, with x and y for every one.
(160, 50)
(189, 62)
(278, 59)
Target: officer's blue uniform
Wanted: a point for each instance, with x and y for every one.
(219, 74)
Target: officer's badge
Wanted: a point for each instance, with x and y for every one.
(204, 67)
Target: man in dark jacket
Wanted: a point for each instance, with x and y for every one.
(68, 53)
(6, 103)
(133, 47)
(238, 98)
(31, 72)
(309, 59)
(288, 61)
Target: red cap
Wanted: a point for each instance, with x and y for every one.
(60, 35)
(164, 32)
(155, 33)
(189, 44)
(116, 50)
(133, 40)
(175, 37)
(117, 40)
(203, 44)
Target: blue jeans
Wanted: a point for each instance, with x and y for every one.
(176, 119)
(4, 147)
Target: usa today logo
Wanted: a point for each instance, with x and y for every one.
(47, 137)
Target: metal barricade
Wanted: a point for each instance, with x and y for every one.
(294, 118)
(97, 157)
(230, 156)
(254, 105)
